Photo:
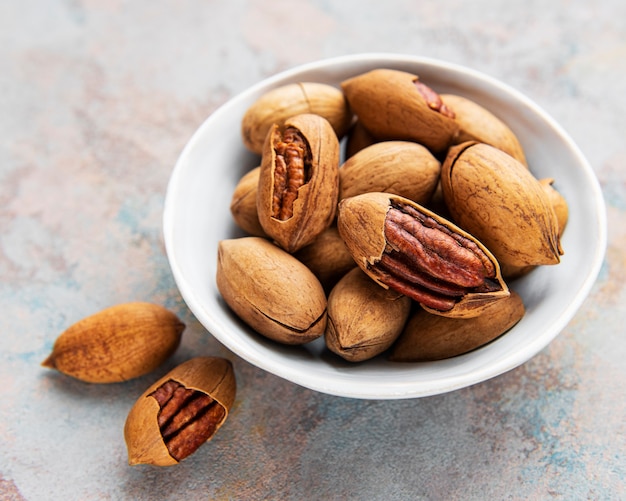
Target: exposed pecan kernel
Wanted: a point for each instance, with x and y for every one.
(187, 418)
(292, 170)
(433, 99)
(428, 262)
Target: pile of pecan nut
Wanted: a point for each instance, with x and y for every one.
(388, 218)
(176, 414)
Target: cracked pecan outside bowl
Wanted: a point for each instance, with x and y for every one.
(299, 181)
(180, 412)
(406, 247)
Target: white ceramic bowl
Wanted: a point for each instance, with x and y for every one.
(197, 216)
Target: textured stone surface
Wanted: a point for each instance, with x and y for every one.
(97, 99)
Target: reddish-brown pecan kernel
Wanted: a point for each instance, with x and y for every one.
(187, 418)
(430, 263)
(292, 170)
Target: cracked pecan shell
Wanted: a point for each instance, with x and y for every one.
(180, 412)
(406, 247)
(298, 181)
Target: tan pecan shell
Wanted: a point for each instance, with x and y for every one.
(358, 137)
(561, 210)
(400, 167)
(327, 257)
(558, 202)
(280, 104)
(497, 199)
(270, 290)
(116, 344)
(243, 203)
(364, 319)
(476, 123)
(299, 181)
(180, 412)
(393, 104)
(429, 337)
(404, 246)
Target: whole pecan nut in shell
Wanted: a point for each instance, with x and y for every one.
(279, 104)
(497, 199)
(393, 104)
(270, 290)
(433, 337)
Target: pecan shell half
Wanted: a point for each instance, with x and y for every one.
(412, 250)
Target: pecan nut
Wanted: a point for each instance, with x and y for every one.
(433, 337)
(180, 412)
(410, 249)
(364, 319)
(299, 181)
(476, 123)
(243, 203)
(496, 198)
(270, 290)
(116, 344)
(327, 257)
(433, 100)
(187, 418)
(394, 104)
(403, 168)
(292, 170)
(282, 103)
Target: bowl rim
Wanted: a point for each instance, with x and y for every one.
(405, 389)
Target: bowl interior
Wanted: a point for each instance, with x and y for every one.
(197, 216)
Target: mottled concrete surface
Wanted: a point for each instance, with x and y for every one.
(97, 99)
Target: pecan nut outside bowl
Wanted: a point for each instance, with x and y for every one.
(196, 217)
